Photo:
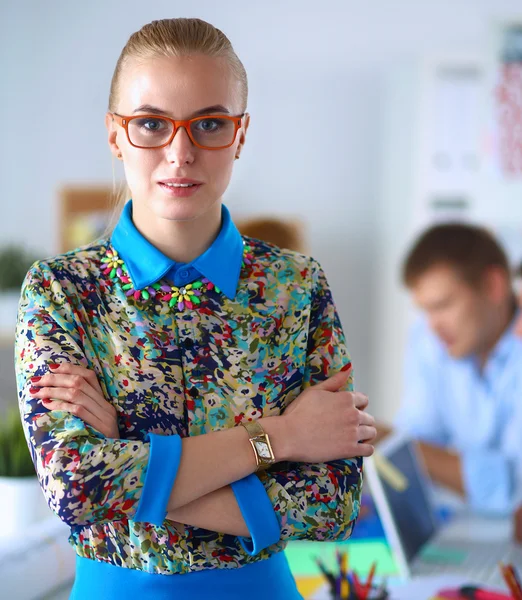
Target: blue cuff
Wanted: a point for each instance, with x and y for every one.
(259, 515)
(488, 481)
(162, 468)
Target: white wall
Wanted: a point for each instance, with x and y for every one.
(345, 63)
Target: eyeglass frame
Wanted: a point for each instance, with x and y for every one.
(123, 121)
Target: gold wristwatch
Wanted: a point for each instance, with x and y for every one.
(260, 443)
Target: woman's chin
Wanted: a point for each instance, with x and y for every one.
(180, 209)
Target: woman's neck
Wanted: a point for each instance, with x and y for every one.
(182, 241)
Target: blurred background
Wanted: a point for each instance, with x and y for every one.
(369, 121)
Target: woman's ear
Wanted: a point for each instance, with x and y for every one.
(112, 134)
(242, 135)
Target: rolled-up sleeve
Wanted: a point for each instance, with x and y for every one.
(86, 477)
(162, 468)
(314, 501)
(258, 514)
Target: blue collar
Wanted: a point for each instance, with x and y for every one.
(221, 263)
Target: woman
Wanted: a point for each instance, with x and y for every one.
(181, 387)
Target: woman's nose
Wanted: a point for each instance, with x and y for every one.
(181, 150)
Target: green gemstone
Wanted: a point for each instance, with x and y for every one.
(172, 302)
(113, 274)
(197, 285)
(195, 300)
(127, 286)
(145, 295)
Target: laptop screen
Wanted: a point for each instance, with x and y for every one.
(410, 508)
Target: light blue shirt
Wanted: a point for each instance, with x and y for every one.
(451, 402)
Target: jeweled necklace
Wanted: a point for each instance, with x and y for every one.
(178, 298)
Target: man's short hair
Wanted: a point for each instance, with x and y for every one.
(468, 249)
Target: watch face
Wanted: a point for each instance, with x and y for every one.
(262, 449)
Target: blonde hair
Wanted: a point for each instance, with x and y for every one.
(175, 37)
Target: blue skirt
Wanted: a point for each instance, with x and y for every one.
(270, 578)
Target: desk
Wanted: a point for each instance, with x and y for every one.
(419, 589)
(464, 525)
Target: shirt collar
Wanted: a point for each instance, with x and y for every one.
(504, 345)
(220, 263)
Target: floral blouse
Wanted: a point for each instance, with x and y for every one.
(178, 361)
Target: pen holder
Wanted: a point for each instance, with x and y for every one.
(376, 593)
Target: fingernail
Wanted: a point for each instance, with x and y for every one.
(46, 400)
(35, 379)
(34, 390)
(53, 366)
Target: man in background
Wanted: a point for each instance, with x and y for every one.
(518, 329)
(463, 368)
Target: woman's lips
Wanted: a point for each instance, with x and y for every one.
(182, 189)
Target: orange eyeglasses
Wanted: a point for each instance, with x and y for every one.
(210, 132)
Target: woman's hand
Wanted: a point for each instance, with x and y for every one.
(76, 390)
(326, 424)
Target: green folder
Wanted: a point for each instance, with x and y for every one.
(361, 555)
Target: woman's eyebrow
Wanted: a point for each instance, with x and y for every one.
(217, 108)
(149, 109)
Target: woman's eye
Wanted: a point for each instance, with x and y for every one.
(208, 125)
(151, 125)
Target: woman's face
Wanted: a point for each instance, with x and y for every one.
(179, 88)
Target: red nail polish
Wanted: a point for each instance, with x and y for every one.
(53, 366)
(34, 390)
(35, 379)
(46, 400)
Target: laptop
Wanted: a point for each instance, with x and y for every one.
(468, 546)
